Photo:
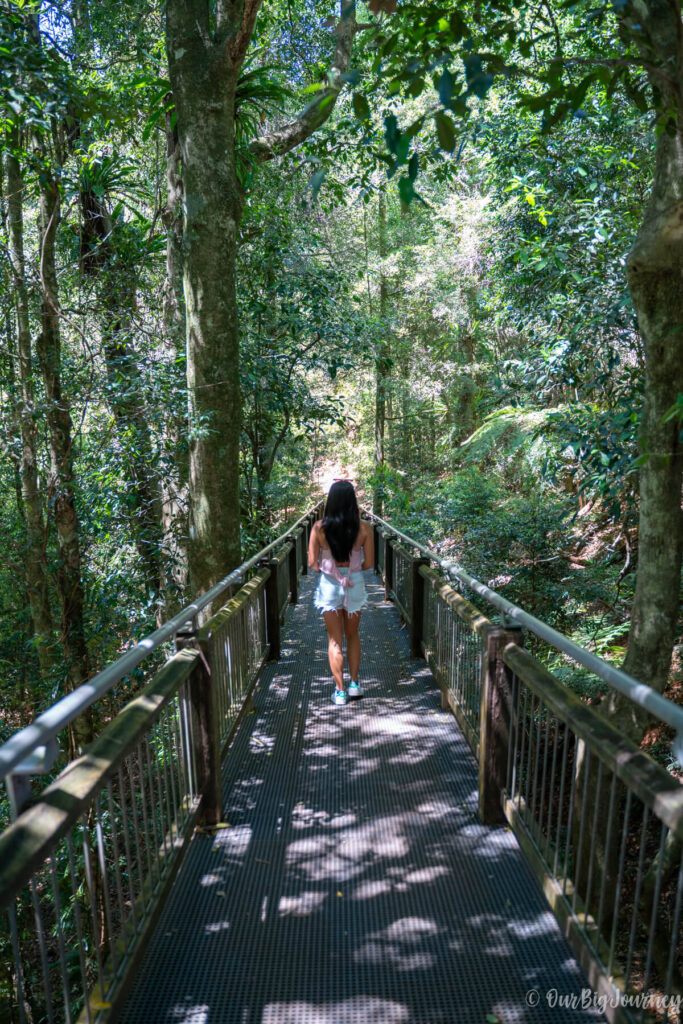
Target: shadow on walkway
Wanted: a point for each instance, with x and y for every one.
(355, 884)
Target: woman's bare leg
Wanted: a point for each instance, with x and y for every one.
(351, 624)
(335, 652)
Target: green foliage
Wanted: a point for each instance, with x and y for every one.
(601, 446)
(496, 305)
(515, 442)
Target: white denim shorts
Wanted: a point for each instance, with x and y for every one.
(330, 596)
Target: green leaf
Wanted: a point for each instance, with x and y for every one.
(478, 81)
(640, 100)
(316, 181)
(391, 132)
(406, 190)
(446, 84)
(314, 87)
(361, 107)
(458, 26)
(445, 130)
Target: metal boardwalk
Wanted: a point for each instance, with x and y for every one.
(355, 884)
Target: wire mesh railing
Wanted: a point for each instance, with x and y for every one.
(600, 823)
(235, 643)
(454, 650)
(403, 595)
(85, 870)
(33, 750)
(283, 582)
(604, 825)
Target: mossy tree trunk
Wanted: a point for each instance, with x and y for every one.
(174, 481)
(204, 84)
(206, 44)
(655, 279)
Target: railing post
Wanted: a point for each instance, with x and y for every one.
(309, 527)
(293, 575)
(388, 568)
(417, 584)
(375, 531)
(303, 540)
(494, 736)
(205, 718)
(273, 610)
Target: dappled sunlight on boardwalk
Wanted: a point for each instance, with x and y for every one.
(355, 882)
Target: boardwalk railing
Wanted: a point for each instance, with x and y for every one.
(601, 824)
(84, 871)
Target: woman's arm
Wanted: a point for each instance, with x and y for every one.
(314, 548)
(368, 544)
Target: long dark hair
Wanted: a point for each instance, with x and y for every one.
(341, 520)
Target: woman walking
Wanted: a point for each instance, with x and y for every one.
(341, 548)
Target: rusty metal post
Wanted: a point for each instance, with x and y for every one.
(375, 531)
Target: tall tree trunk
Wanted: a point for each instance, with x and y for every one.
(465, 410)
(172, 217)
(205, 109)
(174, 482)
(61, 485)
(382, 360)
(206, 44)
(36, 574)
(655, 279)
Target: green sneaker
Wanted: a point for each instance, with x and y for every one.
(339, 697)
(354, 689)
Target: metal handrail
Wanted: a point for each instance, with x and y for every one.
(43, 730)
(639, 693)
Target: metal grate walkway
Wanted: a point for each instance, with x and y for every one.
(355, 884)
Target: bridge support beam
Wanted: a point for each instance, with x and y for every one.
(496, 704)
